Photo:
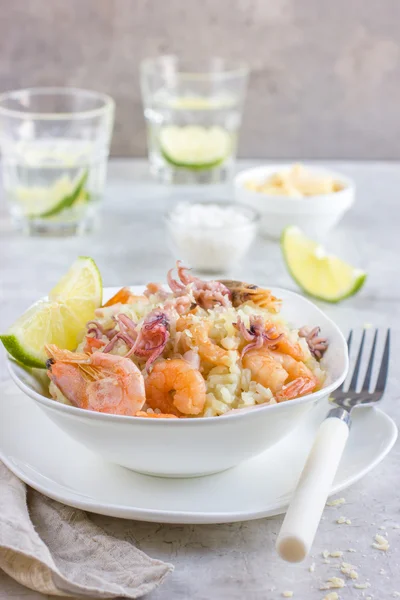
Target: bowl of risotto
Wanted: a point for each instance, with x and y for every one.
(312, 198)
(191, 377)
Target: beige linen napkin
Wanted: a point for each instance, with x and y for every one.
(57, 550)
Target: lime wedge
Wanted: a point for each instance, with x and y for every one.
(69, 199)
(41, 202)
(319, 274)
(59, 320)
(195, 147)
(80, 289)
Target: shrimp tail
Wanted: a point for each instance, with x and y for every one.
(66, 356)
(298, 387)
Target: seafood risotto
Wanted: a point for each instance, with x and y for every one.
(198, 349)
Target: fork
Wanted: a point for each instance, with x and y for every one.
(307, 504)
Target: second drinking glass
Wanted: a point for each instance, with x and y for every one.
(193, 114)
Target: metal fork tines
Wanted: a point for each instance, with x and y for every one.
(354, 394)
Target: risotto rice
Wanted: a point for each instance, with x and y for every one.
(216, 334)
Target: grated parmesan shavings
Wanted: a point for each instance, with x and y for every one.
(333, 582)
(336, 502)
(331, 596)
(349, 570)
(381, 543)
(341, 520)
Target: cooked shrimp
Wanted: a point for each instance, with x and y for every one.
(125, 296)
(265, 369)
(293, 349)
(175, 387)
(198, 337)
(104, 383)
(142, 413)
(301, 379)
(242, 292)
(286, 377)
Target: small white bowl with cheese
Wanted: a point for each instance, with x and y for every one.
(312, 198)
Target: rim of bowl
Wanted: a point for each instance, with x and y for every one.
(245, 175)
(190, 422)
(254, 215)
(108, 103)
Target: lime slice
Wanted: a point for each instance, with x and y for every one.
(78, 193)
(41, 202)
(319, 274)
(59, 320)
(195, 147)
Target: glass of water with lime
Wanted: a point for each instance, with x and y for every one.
(193, 114)
(55, 145)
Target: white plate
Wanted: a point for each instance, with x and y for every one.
(52, 463)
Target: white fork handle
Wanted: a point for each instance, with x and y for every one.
(307, 504)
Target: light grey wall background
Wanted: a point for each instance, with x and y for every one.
(325, 77)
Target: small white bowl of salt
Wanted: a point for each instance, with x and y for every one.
(211, 236)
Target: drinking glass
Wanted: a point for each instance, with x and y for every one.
(55, 145)
(193, 114)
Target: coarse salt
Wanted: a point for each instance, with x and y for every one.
(312, 567)
(211, 236)
(351, 550)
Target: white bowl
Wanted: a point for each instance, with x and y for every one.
(210, 248)
(315, 215)
(191, 447)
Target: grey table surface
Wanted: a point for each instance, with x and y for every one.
(235, 561)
